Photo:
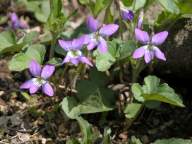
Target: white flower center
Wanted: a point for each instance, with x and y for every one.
(38, 81)
(74, 53)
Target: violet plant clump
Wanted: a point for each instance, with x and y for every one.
(74, 53)
(17, 23)
(150, 49)
(39, 80)
(99, 32)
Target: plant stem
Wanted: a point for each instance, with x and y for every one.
(53, 43)
(120, 19)
(136, 69)
(78, 72)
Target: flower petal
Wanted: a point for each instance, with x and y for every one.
(34, 88)
(78, 43)
(92, 24)
(27, 84)
(85, 60)
(35, 68)
(138, 53)
(91, 45)
(66, 59)
(159, 38)
(47, 89)
(159, 54)
(127, 15)
(74, 61)
(47, 71)
(149, 55)
(108, 30)
(66, 45)
(102, 46)
(140, 20)
(141, 36)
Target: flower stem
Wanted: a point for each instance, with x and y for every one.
(53, 43)
(120, 19)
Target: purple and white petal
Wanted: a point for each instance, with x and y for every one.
(108, 30)
(142, 36)
(74, 61)
(78, 43)
(159, 54)
(27, 84)
(35, 68)
(66, 45)
(138, 53)
(92, 24)
(34, 88)
(47, 89)
(66, 59)
(159, 38)
(91, 45)
(102, 46)
(149, 55)
(85, 60)
(47, 71)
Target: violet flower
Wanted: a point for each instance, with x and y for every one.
(40, 79)
(149, 50)
(96, 38)
(127, 14)
(16, 22)
(73, 48)
(140, 20)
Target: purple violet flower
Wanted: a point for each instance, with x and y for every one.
(149, 50)
(40, 78)
(140, 20)
(17, 23)
(127, 14)
(73, 48)
(96, 38)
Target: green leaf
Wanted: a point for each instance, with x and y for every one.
(173, 141)
(185, 7)
(21, 60)
(166, 18)
(8, 42)
(55, 61)
(84, 2)
(91, 98)
(72, 141)
(126, 49)
(104, 61)
(135, 140)
(30, 37)
(127, 2)
(56, 19)
(170, 6)
(121, 50)
(41, 9)
(152, 90)
(132, 110)
(151, 84)
(137, 4)
(98, 5)
(137, 92)
(86, 129)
